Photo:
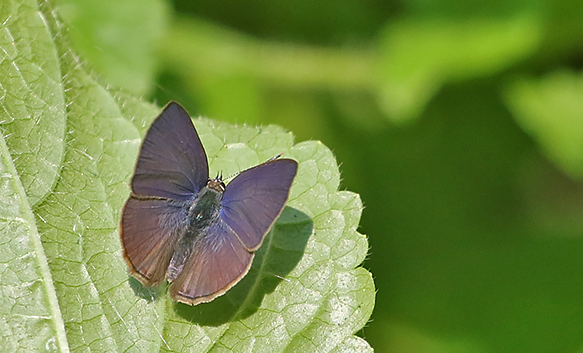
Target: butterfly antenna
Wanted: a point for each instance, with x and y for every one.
(219, 176)
(267, 161)
(273, 158)
(229, 177)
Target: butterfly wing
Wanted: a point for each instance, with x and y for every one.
(149, 229)
(217, 262)
(172, 162)
(255, 198)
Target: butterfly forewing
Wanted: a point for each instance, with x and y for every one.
(217, 262)
(172, 162)
(255, 198)
(149, 230)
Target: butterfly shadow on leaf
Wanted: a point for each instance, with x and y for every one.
(281, 251)
(149, 293)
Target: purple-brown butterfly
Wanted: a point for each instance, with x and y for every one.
(193, 231)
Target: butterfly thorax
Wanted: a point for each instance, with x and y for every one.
(202, 213)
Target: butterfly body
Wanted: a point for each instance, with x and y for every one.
(202, 213)
(181, 226)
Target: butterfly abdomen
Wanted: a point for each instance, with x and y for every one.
(203, 212)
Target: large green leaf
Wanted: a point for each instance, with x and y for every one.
(67, 153)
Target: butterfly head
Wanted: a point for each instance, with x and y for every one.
(216, 184)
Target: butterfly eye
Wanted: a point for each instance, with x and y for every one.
(199, 217)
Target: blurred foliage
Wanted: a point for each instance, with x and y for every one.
(459, 123)
(419, 56)
(551, 109)
(118, 38)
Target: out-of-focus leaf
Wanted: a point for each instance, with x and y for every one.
(232, 74)
(419, 56)
(404, 338)
(551, 111)
(117, 37)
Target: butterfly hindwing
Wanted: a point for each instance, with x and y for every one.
(172, 162)
(217, 262)
(149, 230)
(255, 198)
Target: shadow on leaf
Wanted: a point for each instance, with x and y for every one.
(149, 293)
(278, 256)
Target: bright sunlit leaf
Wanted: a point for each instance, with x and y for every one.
(67, 153)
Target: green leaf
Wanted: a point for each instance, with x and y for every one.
(31, 149)
(32, 96)
(419, 56)
(68, 156)
(30, 317)
(551, 110)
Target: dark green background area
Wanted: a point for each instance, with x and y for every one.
(472, 189)
(452, 197)
(323, 22)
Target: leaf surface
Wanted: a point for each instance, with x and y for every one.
(67, 155)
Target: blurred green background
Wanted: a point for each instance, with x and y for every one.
(460, 124)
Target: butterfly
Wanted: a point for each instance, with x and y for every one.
(195, 232)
